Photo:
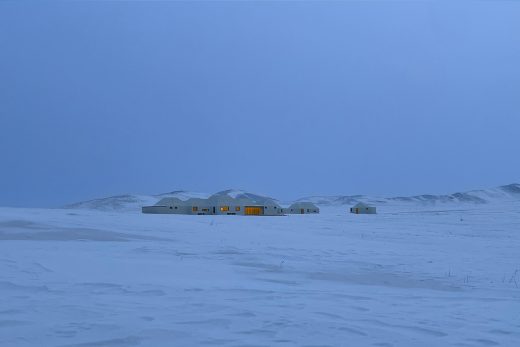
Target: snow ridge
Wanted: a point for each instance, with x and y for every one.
(128, 202)
(510, 192)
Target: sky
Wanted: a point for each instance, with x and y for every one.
(286, 99)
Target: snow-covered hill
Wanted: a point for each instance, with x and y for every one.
(240, 194)
(135, 202)
(499, 194)
(131, 202)
(182, 195)
(115, 203)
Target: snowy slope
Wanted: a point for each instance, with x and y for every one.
(414, 278)
(135, 202)
(505, 193)
(131, 202)
(116, 203)
(182, 195)
(240, 194)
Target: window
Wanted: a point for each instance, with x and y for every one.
(171, 207)
(205, 209)
(254, 210)
(195, 208)
(224, 208)
(308, 210)
(175, 207)
(237, 208)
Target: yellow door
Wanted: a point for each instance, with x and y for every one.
(253, 211)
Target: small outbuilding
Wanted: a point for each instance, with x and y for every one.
(362, 208)
(302, 207)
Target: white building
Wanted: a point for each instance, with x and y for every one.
(362, 208)
(301, 208)
(219, 203)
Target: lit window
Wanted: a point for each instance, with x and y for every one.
(224, 208)
(237, 208)
(205, 209)
(195, 208)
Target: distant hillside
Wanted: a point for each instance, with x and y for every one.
(182, 195)
(135, 202)
(483, 196)
(240, 194)
(131, 202)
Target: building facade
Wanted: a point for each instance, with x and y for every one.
(217, 204)
(362, 208)
(301, 208)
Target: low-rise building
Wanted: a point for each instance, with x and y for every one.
(302, 207)
(362, 208)
(217, 204)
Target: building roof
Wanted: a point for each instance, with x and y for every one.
(303, 204)
(362, 205)
(170, 202)
(217, 200)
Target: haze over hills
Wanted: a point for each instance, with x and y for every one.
(130, 202)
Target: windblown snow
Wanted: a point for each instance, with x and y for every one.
(437, 274)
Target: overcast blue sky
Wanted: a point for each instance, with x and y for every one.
(286, 99)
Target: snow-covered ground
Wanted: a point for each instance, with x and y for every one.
(427, 276)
